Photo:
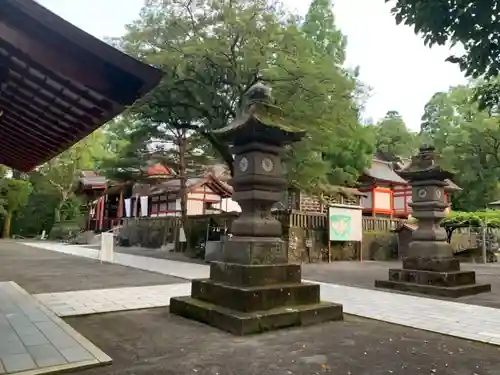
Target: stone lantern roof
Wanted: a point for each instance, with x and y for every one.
(260, 120)
(425, 166)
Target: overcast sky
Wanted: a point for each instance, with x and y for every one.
(402, 72)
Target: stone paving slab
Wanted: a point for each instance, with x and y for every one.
(476, 323)
(167, 267)
(111, 300)
(461, 320)
(35, 341)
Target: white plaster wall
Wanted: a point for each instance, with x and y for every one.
(382, 200)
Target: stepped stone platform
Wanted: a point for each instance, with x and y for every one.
(246, 299)
(35, 341)
(440, 277)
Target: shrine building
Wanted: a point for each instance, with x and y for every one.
(387, 193)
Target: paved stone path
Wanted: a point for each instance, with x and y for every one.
(35, 341)
(452, 318)
(87, 302)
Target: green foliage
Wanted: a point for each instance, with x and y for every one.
(468, 140)
(38, 214)
(489, 218)
(62, 172)
(472, 25)
(319, 26)
(211, 56)
(14, 194)
(64, 230)
(393, 137)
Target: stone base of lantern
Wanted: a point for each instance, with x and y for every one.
(247, 299)
(437, 277)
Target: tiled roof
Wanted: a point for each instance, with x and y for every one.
(381, 170)
(452, 186)
(92, 179)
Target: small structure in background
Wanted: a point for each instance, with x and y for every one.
(255, 289)
(430, 267)
(494, 205)
(205, 195)
(388, 194)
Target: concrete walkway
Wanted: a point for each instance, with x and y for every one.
(35, 341)
(452, 318)
(86, 302)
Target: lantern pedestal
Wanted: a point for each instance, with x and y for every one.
(440, 277)
(246, 299)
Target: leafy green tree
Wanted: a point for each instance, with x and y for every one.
(63, 170)
(15, 194)
(469, 142)
(320, 28)
(393, 137)
(471, 24)
(211, 56)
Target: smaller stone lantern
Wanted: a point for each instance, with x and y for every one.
(430, 267)
(255, 289)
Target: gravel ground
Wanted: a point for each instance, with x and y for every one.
(157, 343)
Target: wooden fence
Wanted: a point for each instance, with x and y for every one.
(159, 230)
(310, 220)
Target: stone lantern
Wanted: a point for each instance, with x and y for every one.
(254, 289)
(430, 267)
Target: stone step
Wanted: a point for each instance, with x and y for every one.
(455, 278)
(241, 323)
(254, 275)
(432, 264)
(431, 290)
(247, 299)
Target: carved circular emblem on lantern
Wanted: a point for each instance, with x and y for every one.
(243, 164)
(439, 194)
(267, 165)
(422, 193)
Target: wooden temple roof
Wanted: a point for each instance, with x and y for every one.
(174, 185)
(383, 171)
(57, 84)
(389, 171)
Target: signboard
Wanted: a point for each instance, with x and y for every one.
(345, 223)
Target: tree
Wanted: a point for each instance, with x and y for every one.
(471, 24)
(153, 141)
(15, 194)
(319, 26)
(212, 55)
(62, 171)
(393, 137)
(469, 142)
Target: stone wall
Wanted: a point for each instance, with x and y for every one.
(148, 232)
(375, 246)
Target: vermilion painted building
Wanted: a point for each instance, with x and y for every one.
(387, 193)
(157, 195)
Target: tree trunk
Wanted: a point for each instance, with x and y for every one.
(57, 211)
(6, 225)
(183, 187)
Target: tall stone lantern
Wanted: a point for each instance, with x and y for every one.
(254, 289)
(430, 267)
